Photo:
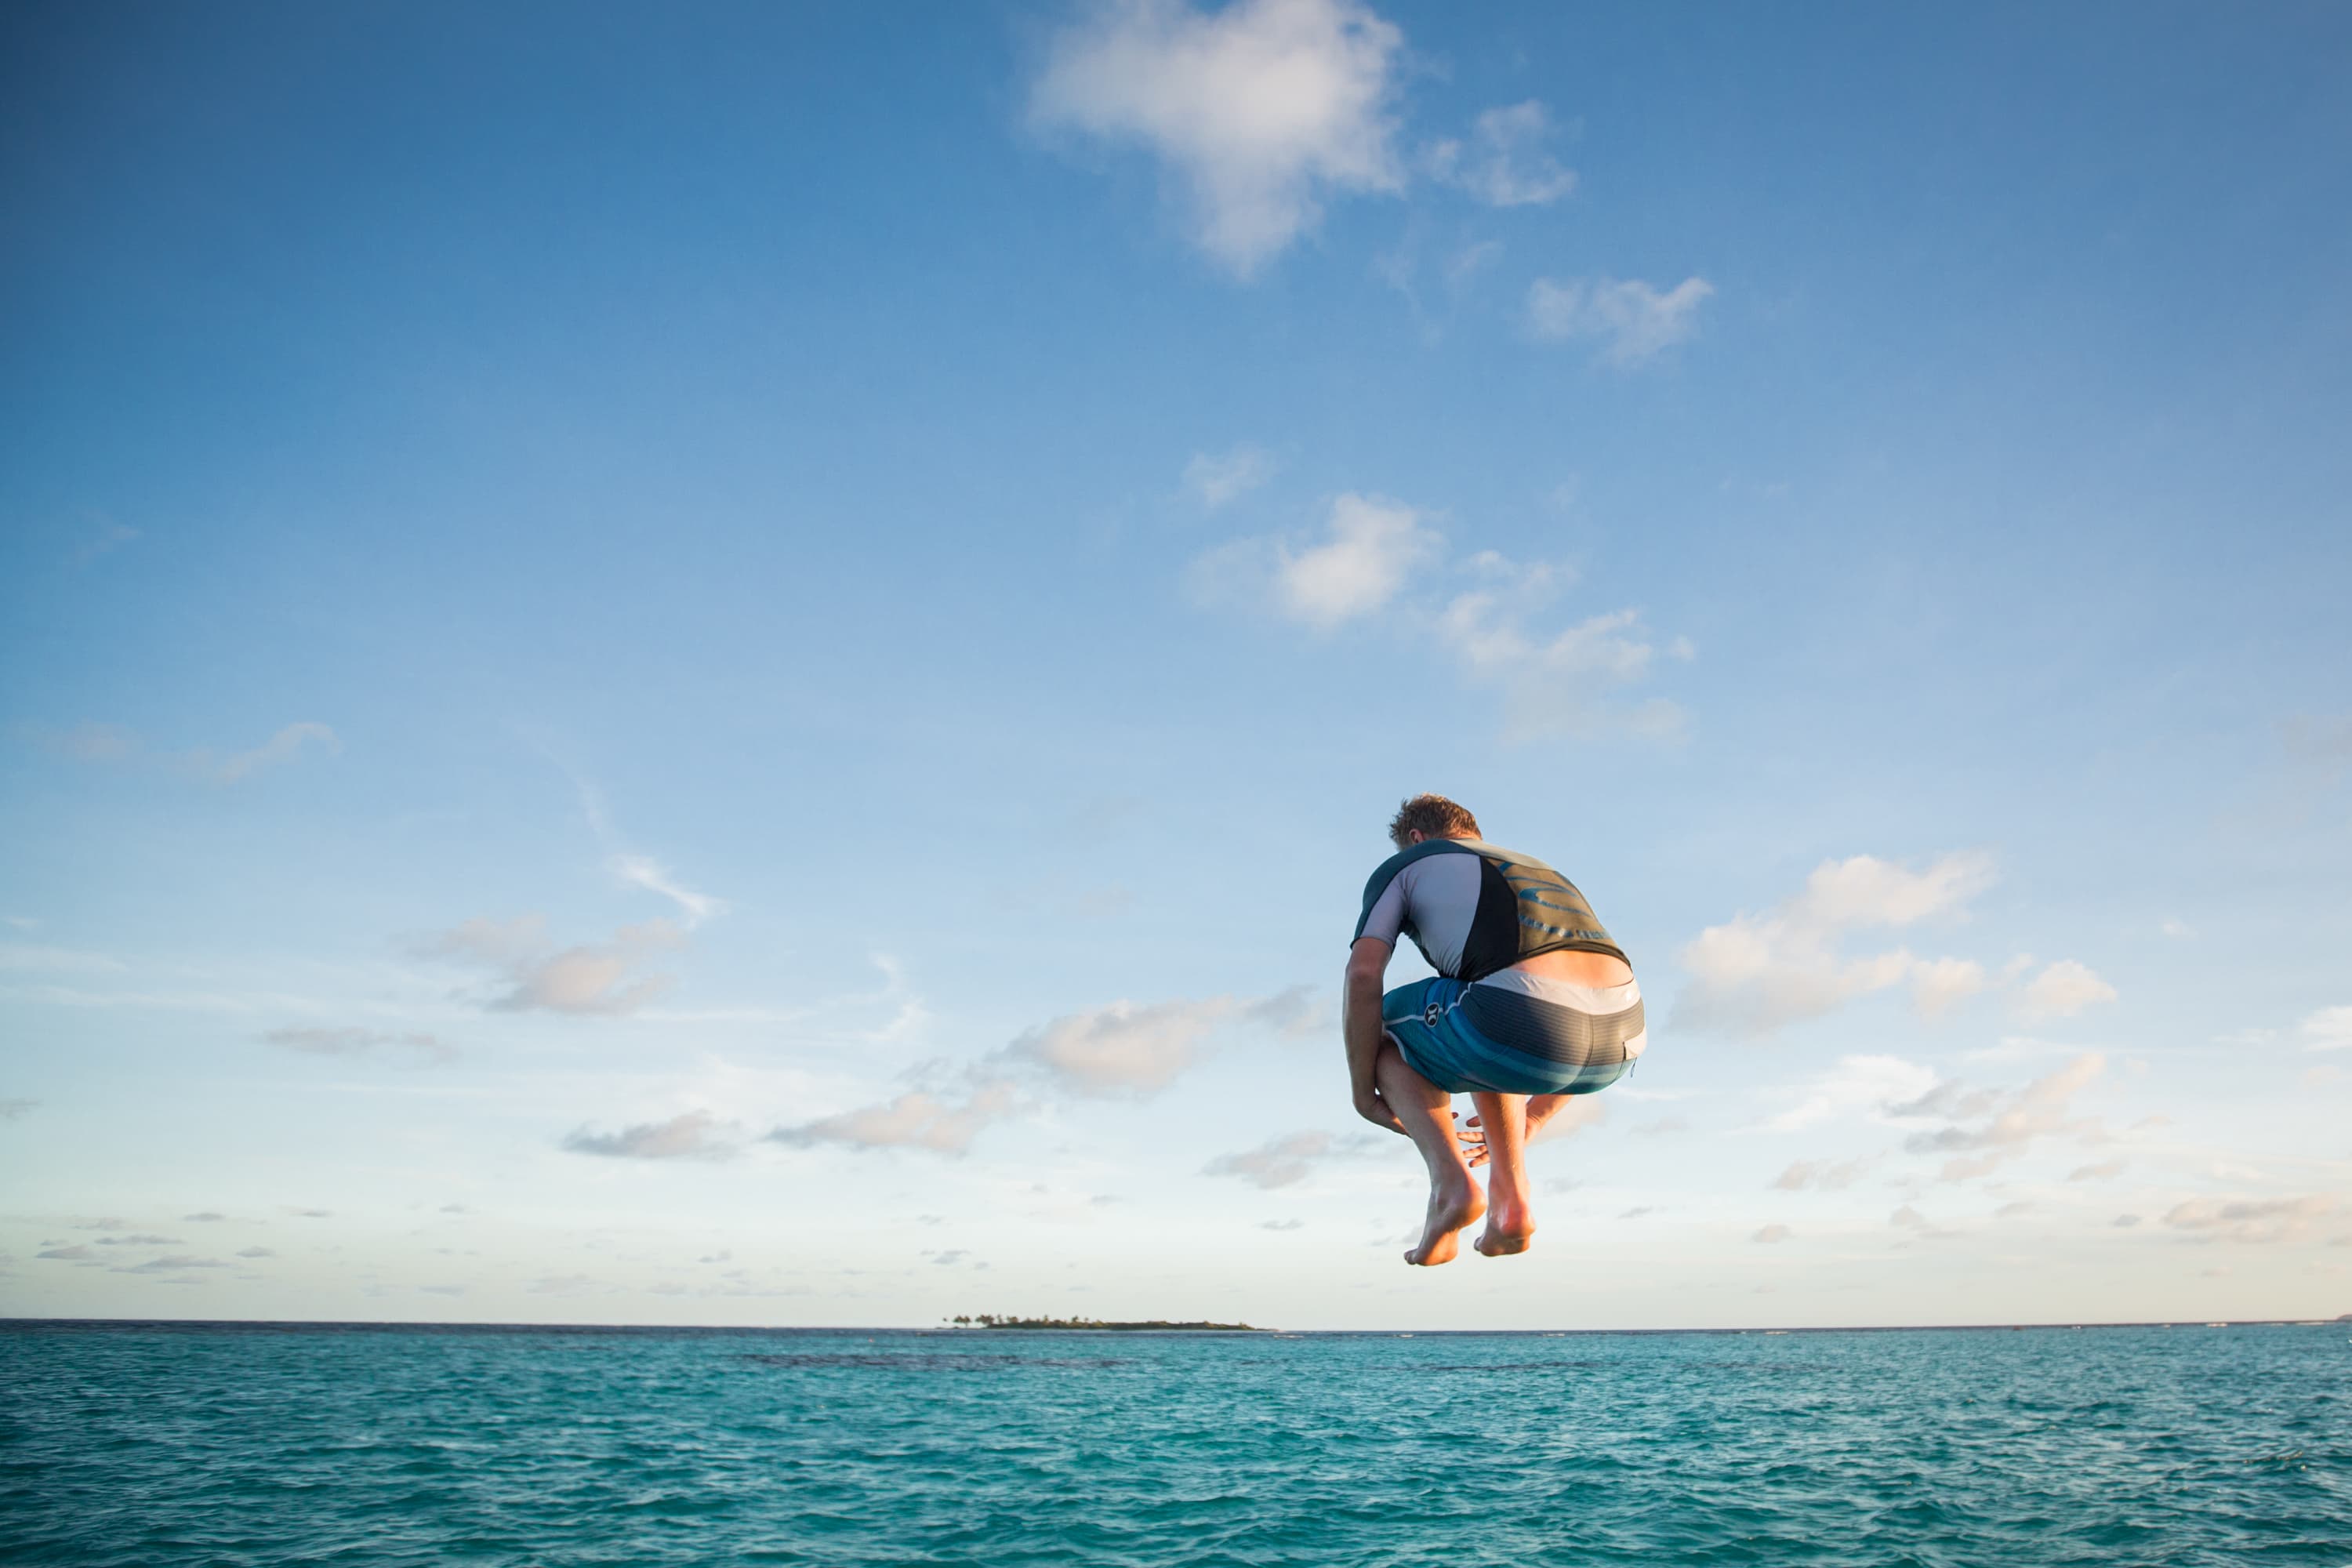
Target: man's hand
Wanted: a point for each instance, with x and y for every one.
(1374, 1110)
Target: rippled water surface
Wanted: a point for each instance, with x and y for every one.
(212, 1444)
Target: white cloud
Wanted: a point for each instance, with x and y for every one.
(1559, 685)
(2329, 1029)
(1872, 1085)
(1757, 973)
(696, 1135)
(1279, 1162)
(2038, 1111)
(1256, 111)
(1939, 985)
(1829, 1176)
(2062, 990)
(1631, 319)
(1369, 547)
(596, 978)
(1218, 478)
(1562, 682)
(1373, 545)
(1121, 1048)
(1118, 1050)
(1505, 163)
(644, 871)
(917, 1119)
(2254, 1221)
(1773, 1234)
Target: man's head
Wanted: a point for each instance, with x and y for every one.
(1426, 816)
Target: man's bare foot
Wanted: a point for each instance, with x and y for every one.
(1509, 1228)
(1451, 1210)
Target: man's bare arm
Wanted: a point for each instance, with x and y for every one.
(1360, 1026)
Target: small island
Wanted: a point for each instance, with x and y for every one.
(995, 1320)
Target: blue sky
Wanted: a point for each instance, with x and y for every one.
(740, 667)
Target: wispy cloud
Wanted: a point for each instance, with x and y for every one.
(632, 868)
(1871, 1085)
(361, 1043)
(1758, 971)
(1219, 479)
(1505, 161)
(1369, 548)
(1566, 680)
(282, 747)
(1257, 112)
(10, 1110)
(1827, 1175)
(1554, 683)
(2062, 990)
(2253, 1221)
(2038, 1111)
(101, 537)
(1632, 321)
(1120, 1049)
(942, 1123)
(645, 871)
(694, 1134)
(1772, 1235)
(181, 1264)
(594, 979)
(1281, 1161)
(2329, 1029)
(98, 743)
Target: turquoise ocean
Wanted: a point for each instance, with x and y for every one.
(196, 1444)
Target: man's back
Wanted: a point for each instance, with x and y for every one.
(1475, 908)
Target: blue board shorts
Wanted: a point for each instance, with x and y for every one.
(1467, 1038)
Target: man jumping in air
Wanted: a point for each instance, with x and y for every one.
(1531, 1003)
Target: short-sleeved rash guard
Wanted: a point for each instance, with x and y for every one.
(1473, 909)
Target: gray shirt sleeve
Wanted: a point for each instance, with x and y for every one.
(1386, 918)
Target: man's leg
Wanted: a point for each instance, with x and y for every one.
(1510, 1218)
(1540, 1109)
(1425, 1111)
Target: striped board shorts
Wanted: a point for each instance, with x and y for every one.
(1515, 1033)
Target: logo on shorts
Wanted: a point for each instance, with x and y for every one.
(1431, 1013)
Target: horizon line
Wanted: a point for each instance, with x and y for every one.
(11, 1323)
